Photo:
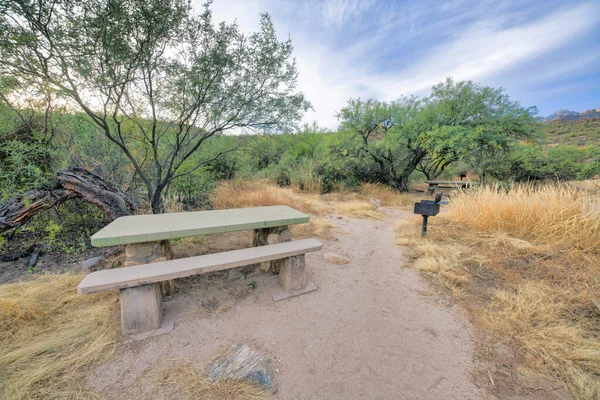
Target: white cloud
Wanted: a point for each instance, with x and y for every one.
(483, 51)
(486, 49)
(336, 12)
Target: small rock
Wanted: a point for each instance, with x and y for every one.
(93, 264)
(242, 362)
(340, 217)
(337, 259)
(374, 203)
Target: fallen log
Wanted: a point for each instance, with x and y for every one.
(23, 207)
(97, 190)
(71, 184)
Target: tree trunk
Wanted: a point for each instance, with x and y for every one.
(74, 183)
(401, 183)
(23, 207)
(156, 202)
(98, 191)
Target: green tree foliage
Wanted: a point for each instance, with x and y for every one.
(28, 157)
(458, 121)
(529, 161)
(384, 136)
(153, 78)
(476, 124)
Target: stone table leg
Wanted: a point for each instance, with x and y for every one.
(274, 235)
(293, 273)
(141, 308)
(151, 252)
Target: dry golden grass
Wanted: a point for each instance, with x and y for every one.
(311, 184)
(526, 263)
(173, 203)
(184, 382)
(49, 334)
(590, 184)
(553, 214)
(356, 209)
(320, 227)
(236, 194)
(388, 196)
(239, 194)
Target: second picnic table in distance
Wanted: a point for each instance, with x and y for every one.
(433, 185)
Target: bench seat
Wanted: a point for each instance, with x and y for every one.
(141, 299)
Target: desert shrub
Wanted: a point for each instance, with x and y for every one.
(560, 162)
(67, 227)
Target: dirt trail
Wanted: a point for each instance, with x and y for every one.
(373, 330)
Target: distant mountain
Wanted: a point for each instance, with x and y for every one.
(568, 115)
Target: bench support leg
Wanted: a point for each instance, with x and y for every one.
(265, 236)
(151, 252)
(292, 275)
(141, 308)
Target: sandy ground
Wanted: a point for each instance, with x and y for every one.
(373, 330)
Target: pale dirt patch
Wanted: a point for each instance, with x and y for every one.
(373, 330)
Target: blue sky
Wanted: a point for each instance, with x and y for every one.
(544, 53)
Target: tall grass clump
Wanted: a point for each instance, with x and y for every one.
(525, 262)
(258, 193)
(49, 334)
(551, 214)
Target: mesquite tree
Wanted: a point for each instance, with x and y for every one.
(155, 79)
(461, 121)
(390, 134)
(476, 124)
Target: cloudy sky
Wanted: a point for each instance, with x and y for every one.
(544, 53)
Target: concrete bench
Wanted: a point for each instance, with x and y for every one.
(140, 293)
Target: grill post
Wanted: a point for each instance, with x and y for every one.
(424, 225)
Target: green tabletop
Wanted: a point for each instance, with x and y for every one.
(155, 227)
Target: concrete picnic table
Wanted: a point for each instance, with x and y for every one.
(433, 185)
(146, 237)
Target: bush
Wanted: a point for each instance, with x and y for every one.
(68, 227)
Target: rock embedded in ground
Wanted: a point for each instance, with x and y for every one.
(375, 203)
(93, 264)
(242, 362)
(333, 258)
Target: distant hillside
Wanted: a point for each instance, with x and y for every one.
(582, 132)
(568, 115)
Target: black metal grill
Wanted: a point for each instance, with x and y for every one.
(429, 208)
